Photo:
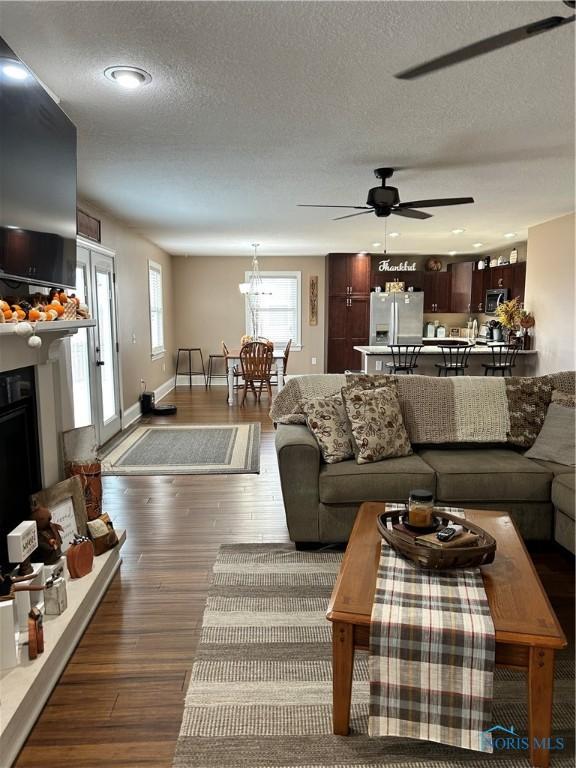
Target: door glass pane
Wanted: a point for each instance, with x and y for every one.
(105, 340)
(80, 362)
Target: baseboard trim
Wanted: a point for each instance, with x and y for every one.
(164, 389)
(130, 415)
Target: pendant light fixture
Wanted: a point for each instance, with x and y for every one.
(253, 289)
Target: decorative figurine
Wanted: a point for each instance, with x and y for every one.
(49, 538)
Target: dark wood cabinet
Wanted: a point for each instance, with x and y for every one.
(518, 280)
(348, 273)
(348, 309)
(460, 300)
(437, 291)
(478, 291)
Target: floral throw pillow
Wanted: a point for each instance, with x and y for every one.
(377, 424)
(327, 420)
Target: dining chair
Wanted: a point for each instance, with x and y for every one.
(274, 379)
(455, 359)
(404, 358)
(235, 371)
(503, 359)
(256, 365)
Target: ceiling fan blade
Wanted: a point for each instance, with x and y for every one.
(410, 214)
(485, 46)
(437, 202)
(355, 207)
(349, 216)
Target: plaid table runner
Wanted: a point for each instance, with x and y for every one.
(431, 655)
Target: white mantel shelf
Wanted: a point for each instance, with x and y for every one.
(64, 327)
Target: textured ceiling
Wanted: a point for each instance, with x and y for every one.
(257, 106)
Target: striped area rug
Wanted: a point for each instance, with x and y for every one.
(261, 686)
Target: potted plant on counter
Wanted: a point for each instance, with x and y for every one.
(512, 316)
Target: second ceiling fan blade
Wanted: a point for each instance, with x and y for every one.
(354, 207)
(349, 216)
(485, 46)
(436, 203)
(411, 214)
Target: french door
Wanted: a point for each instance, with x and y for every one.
(95, 365)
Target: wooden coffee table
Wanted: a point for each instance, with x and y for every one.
(527, 631)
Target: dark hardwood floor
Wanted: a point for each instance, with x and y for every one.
(120, 699)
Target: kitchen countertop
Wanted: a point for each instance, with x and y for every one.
(482, 349)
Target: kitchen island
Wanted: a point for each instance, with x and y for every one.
(374, 359)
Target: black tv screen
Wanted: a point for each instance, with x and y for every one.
(37, 180)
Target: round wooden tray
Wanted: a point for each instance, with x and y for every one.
(438, 558)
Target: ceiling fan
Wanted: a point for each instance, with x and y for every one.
(385, 200)
(489, 44)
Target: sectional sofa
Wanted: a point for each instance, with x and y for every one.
(450, 424)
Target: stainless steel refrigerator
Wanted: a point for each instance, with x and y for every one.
(396, 318)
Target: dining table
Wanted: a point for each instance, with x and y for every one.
(233, 359)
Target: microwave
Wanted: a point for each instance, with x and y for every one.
(494, 297)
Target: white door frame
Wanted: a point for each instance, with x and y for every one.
(96, 250)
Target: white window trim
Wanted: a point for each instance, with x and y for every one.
(296, 345)
(156, 353)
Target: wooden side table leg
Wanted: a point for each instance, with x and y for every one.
(342, 669)
(540, 690)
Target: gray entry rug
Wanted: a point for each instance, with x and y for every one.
(186, 450)
(260, 691)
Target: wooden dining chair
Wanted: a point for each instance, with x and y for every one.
(235, 371)
(256, 365)
(274, 379)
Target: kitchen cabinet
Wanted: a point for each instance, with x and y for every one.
(462, 272)
(348, 273)
(510, 276)
(518, 280)
(478, 290)
(437, 291)
(348, 322)
(348, 309)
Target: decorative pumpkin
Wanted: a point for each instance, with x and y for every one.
(34, 315)
(62, 297)
(433, 265)
(57, 307)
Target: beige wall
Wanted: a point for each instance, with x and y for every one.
(132, 255)
(209, 308)
(550, 292)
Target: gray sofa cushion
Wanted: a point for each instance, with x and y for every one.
(487, 474)
(563, 493)
(390, 480)
(552, 466)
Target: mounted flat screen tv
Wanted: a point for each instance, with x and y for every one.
(37, 181)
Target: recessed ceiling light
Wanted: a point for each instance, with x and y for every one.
(12, 226)
(394, 234)
(15, 71)
(452, 253)
(510, 234)
(376, 245)
(128, 77)
(477, 245)
(458, 231)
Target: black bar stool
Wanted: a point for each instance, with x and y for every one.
(503, 359)
(210, 374)
(404, 358)
(455, 359)
(188, 351)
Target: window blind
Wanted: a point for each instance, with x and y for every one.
(277, 310)
(156, 308)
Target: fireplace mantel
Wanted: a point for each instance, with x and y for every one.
(52, 368)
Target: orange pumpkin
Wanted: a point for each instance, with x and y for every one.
(34, 315)
(7, 313)
(57, 307)
(20, 314)
(63, 298)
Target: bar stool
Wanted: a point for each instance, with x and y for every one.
(503, 359)
(210, 374)
(404, 358)
(189, 372)
(455, 359)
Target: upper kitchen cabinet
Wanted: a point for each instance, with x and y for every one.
(437, 291)
(510, 276)
(348, 274)
(518, 281)
(462, 273)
